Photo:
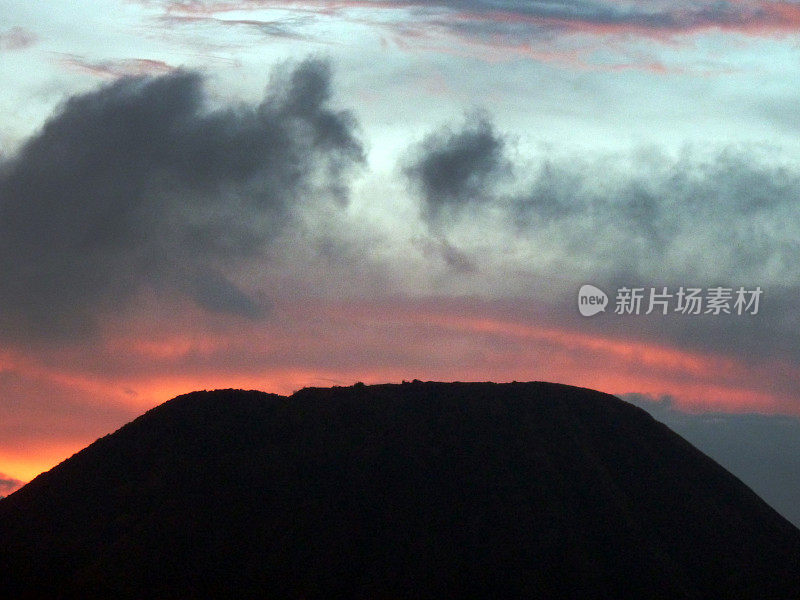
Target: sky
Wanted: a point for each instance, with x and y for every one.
(273, 195)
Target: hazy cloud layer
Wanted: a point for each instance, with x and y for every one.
(140, 184)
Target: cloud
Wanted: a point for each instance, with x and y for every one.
(704, 214)
(667, 15)
(16, 38)
(114, 69)
(438, 247)
(696, 215)
(696, 218)
(286, 27)
(498, 21)
(214, 293)
(456, 168)
(9, 485)
(603, 16)
(141, 186)
(604, 35)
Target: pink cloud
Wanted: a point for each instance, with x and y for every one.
(113, 69)
(542, 31)
(57, 400)
(308, 341)
(599, 18)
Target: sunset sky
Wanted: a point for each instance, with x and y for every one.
(274, 195)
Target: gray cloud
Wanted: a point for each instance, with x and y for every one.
(453, 169)
(440, 248)
(140, 185)
(727, 217)
(645, 213)
(213, 292)
(736, 207)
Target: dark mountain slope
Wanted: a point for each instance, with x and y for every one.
(420, 490)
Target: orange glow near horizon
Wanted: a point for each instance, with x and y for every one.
(28, 461)
(333, 343)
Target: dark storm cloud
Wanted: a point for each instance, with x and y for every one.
(140, 185)
(453, 169)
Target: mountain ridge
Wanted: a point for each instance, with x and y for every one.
(414, 490)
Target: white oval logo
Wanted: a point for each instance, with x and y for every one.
(591, 300)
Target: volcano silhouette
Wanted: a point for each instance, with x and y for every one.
(414, 490)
